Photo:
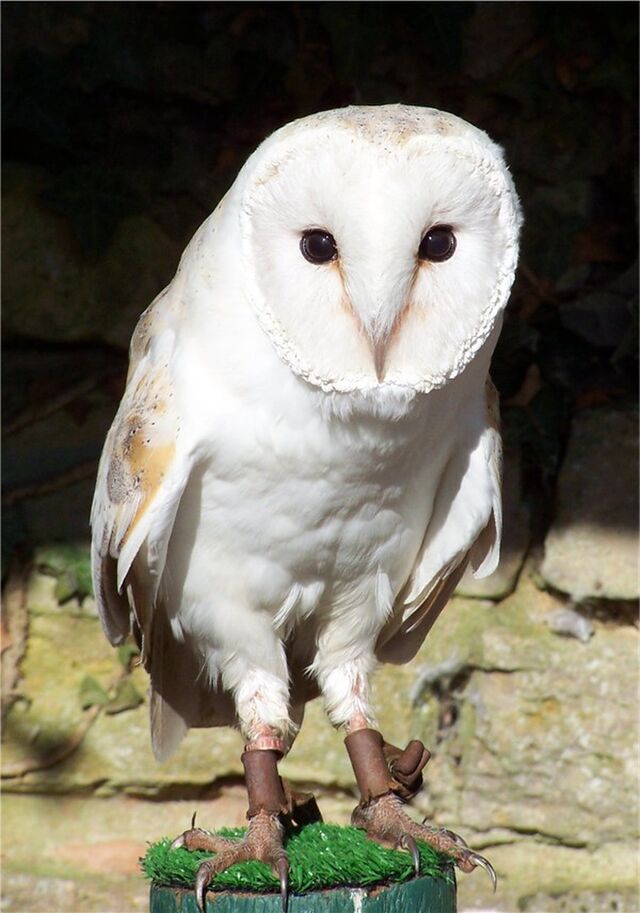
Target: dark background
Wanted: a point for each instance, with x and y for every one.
(124, 123)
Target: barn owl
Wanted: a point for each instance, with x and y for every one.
(307, 456)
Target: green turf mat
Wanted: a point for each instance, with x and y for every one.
(320, 856)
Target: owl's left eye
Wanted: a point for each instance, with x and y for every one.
(438, 244)
(318, 246)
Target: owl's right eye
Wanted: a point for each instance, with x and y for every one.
(318, 246)
(438, 244)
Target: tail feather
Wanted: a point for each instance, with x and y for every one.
(181, 698)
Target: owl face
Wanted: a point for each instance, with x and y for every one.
(379, 245)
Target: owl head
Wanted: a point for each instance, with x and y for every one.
(378, 245)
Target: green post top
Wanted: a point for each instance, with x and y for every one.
(332, 870)
(420, 895)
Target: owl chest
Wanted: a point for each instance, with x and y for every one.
(308, 516)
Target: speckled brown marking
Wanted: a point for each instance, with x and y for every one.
(151, 323)
(444, 126)
(396, 127)
(147, 326)
(118, 484)
(146, 468)
(141, 452)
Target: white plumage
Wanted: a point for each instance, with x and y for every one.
(306, 455)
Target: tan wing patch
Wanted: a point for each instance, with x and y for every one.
(144, 447)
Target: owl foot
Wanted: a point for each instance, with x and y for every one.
(386, 822)
(264, 841)
(272, 808)
(387, 777)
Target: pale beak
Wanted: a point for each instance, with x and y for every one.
(379, 347)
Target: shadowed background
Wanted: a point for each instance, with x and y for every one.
(123, 126)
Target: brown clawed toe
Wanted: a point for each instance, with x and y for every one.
(407, 842)
(387, 777)
(179, 841)
(282, 867)
(203, 877)
(263, 841)
(476, 859)
(456, 838)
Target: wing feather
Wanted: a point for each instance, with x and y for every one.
(464, 496)
(143, 472)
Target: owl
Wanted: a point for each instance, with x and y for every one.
(307, 455)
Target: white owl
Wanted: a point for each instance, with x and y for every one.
(306, 456)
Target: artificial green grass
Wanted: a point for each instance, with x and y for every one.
(320, 856)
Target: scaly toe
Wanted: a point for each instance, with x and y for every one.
(456, 838)
(263, 841)
(197, 839)
(444, 832)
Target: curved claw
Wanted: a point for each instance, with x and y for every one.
(283, 874)
(477, 859)
(179, 841)
(181, 838)
(408, 843)
(202, 883)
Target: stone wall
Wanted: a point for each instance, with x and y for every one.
(525, 693)
(124, 124)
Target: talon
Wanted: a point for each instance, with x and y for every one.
(202, 883)
(178, 842)
(283, 874)
(408, 843)
(477, 859)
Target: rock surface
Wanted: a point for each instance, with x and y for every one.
(534, 755)
(592, 547)
(52, 292)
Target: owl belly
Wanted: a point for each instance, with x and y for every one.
(301, 528)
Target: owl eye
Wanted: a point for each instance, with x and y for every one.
(318, 246)
(438, 244)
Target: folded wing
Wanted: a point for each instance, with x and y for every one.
(143, 472)
(459, 533)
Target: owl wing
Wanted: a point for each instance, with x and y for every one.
(142, 474)
(145, 468)
(449, 546)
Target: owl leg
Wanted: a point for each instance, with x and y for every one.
(387, 777)
(271, 809)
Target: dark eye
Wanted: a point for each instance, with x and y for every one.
(438, 244)
(318, 246)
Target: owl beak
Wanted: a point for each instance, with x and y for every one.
(379, 357)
